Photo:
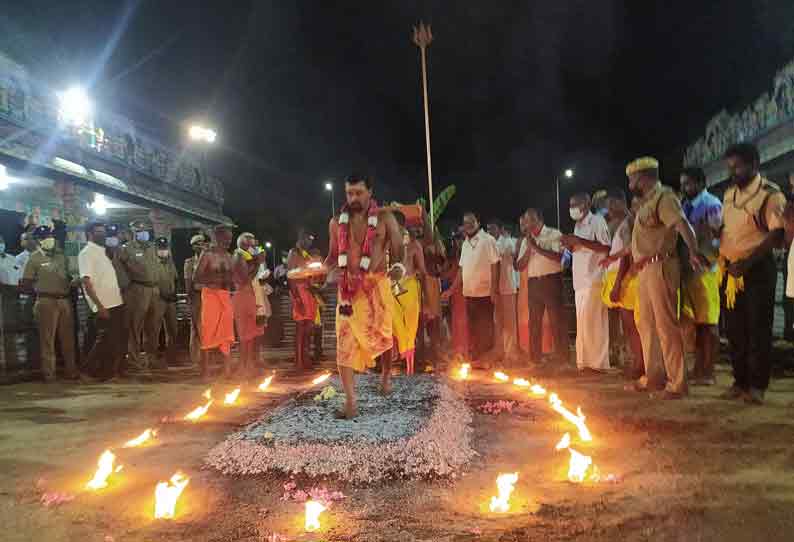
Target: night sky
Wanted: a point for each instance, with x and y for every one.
(305, 91)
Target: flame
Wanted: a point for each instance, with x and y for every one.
(577, 469)
(504, 485)
(321, 378)
(198, 412)
(141, 439)
(207, 394)
(576, 419)
(463, 371)
(521, 382)
(538, 390)
(166, 495)
(265, 383)
(231, 397)
(104, 469)
(501, 377)
(313, 511)
(564, 443)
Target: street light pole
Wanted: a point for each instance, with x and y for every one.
(422, 38)
(330, 188)
(568, 175)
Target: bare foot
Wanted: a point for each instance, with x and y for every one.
(385, 386)
(349, 412)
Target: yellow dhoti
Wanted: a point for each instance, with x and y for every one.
(628, 291)
(700, 297)
(405, 315)
(367, 333)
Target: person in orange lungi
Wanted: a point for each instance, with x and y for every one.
(305, 309)
(359, 240)
(245, 265)
(213, 276)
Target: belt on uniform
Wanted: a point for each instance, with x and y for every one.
(660, 257)
(142, 283)
(53, 296)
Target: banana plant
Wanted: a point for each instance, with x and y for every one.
(440, 203)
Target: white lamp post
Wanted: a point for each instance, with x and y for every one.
(329, 187)
(568, 175)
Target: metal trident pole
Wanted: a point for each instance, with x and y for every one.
(422, 38)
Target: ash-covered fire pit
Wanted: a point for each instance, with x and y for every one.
(421, 429)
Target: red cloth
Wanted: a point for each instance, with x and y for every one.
(217, 320)
(244, 302)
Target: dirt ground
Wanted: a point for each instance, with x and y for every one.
(692, 470)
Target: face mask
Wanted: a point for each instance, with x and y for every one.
(142, 236)
(162, 253)
(48, 244)
(111, 242)
(576, 213)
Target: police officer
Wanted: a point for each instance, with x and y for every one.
(197, 244)
(47, 274)
(166, 302)
(139, 261)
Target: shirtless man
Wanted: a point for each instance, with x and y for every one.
(361, 240)
(304, 303)
(408, 305)
(213, 276)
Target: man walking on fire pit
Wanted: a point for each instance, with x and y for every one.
(361, 240)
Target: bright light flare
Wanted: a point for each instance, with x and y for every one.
(501, 377)
(198, 412)
(569, 173)
(564, 443)
(576, 419)
(199, 133)
(74, 106)
(313, 511)
(231, 397)
(577, 469)
(167, 493)
(265, 383)
(464, 370)
(320, 379)
(207, 394)
(504, 484)
(104, 469)
(141, 439)
(521, 382)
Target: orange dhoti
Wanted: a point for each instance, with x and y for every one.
(244, 303)
(217, 320)
(367, 333)
(307, 309)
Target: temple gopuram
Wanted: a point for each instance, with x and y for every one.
(768, 123)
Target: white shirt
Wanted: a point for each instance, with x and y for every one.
(21, 261)
(506, 246)
(94, 264)
(476, 258)
(790, 272)
(538, 264)
(586, 271)
(9, 272)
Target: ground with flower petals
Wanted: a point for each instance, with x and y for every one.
(422, 428)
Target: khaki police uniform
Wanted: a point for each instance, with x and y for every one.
(166, 303)
(53, 309)
(139, 261)
(194, 297)
(653, 247)
(749, 214)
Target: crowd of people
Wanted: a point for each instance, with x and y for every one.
(646, 273)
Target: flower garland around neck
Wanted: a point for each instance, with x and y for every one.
(351, 281)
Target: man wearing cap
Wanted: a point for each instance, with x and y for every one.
(659, 222)
(214, 276)
(197, 245)
(47, 275)
(305, 309)
(139, 260)
(166, 302)
(753, 226)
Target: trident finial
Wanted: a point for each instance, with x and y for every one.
(423, 36)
